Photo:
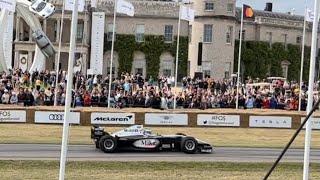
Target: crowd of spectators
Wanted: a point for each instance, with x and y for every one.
(130, 90)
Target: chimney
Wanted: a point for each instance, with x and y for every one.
(268, 7)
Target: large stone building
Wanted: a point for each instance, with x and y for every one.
(215, 29)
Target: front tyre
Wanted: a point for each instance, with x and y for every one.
(189, 145)
(108, 144)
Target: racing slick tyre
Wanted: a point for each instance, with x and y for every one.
(189, 145)
(108, 144)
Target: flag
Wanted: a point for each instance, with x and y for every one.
(94, 3)
(309, 15)
(183, 1)
(247, 12)
(125, 7)
(9, 5)
(187, 13)
(69, 5)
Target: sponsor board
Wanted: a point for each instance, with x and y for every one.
(218, 120)
(166, 119)
(112, 118)
(13, 116)
(315, 122)
(270, 121)
(146, 143)
(97, 37)
(55, 117)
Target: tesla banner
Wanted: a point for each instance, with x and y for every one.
(270, 121)
(13, 116)
(54, 117)
(97, 38)
(315, 122)
(112, 118)
(218, 120)
(166, 119)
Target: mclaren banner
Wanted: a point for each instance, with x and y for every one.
(112, 118)
(97, 38)
(55, 117)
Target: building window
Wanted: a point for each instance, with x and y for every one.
(109, 35)
(55, 30)
(207, 33)
(229, 35)
(243, 35)
(209, 6)
(299, 40)
(80, 31)
(140, 33)
(168, 33)
(230, 7)
(190, 33)
(269, 38)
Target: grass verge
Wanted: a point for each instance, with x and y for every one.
(233, 137)
(151, 170)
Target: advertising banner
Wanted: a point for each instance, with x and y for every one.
(270, 121)
(315, 122)
(13, 116)
(218, 120)
(166, 119)
(97, 38)
(69, 5)
(55, 117)
(112, 118)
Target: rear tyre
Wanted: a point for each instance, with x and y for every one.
(189, 145)
(108, 144)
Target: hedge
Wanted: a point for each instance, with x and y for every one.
(152, 47)
(260, 60)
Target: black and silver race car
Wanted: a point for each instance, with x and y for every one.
(137, 138)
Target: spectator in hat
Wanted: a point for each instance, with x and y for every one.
(14, 98)
(5, 97)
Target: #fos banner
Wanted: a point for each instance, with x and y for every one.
(112, 118)
(54, 117)
(166, 119)
(270, 121)
(97, 37)
(13, 116)
(218, 120)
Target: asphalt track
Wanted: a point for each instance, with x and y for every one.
(89, 153)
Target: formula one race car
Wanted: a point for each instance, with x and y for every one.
(137, 138)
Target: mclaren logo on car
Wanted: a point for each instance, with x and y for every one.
(115, 119)
(56, 117)
(146, 143)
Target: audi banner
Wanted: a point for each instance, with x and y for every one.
(112, 118)
(166, 119)
(54, 117)
(9, 116)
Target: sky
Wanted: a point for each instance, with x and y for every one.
(279, 5)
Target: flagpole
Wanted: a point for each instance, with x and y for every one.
(112, 50)
(58, 58)
(310, 91)
(239, 61)
(302, 55)
(65, 133)
(177, 60)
